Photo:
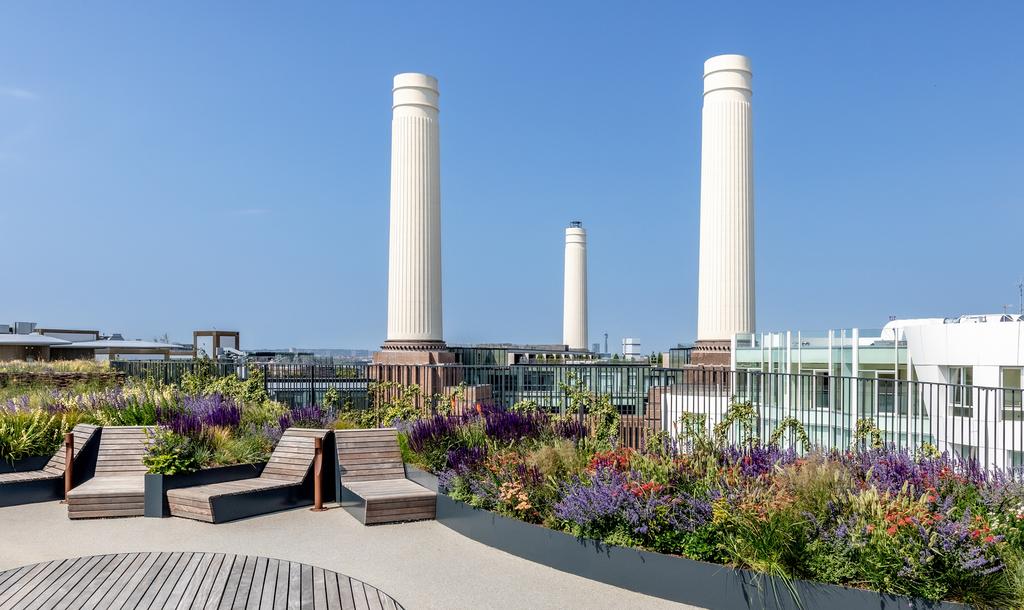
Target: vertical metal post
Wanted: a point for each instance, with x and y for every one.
(69, 461)
(318, 470)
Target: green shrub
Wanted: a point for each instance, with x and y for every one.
(32, 433)
(170, 453)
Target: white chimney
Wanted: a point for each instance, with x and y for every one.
(726, 284)
(574, 311)
(414, 256)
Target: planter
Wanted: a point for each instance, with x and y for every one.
(29, 463)
(158, 484)
(666, 576)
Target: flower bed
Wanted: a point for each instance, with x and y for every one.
(206, 422)
(921, 526)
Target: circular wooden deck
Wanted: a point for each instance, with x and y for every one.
(184, 580)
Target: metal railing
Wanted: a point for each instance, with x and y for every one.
(836, 412)
(297, 385)
(982, 423)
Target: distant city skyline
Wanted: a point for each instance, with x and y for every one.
(168, 168)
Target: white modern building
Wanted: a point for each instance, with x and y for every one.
(631, 348)
(955, 383)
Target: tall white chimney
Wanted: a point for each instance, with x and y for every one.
(726, 284)
(414, 253)
(574, 311)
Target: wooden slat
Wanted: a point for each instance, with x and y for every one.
(67, 582)
(201, 592)
(99, 584)
(96, 573)
(216, 589)
(231, 584)
(359, 596)
(294, 586)
(163, 590)
(345, 592)
(281, 585)
(269, 584)
(122, 578)
(22, 586)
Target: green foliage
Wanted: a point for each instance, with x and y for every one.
(332, 398)
(33, 433)
(524, 406)
(170, 453)
(390, 401)
(204, 380)
(604, 417)
(55, 366)
(741, 416)
(867, 429)
(797, 430)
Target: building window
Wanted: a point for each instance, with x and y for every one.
(821, 383)
(1010, 380)
(1016, 458)
(961, 378)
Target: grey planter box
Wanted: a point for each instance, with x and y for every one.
(29, 463)
(666, 576)
(157, 485)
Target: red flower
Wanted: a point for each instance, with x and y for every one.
(990, 538)
(891, 530)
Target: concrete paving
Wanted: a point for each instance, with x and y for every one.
(421, 565)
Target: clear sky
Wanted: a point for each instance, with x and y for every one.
(171, 166)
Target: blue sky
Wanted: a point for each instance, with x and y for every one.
(172, 166)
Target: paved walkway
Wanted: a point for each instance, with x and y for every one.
(420, 565)
(169, 581)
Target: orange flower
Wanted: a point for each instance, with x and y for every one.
(870, 528)
(891, 530)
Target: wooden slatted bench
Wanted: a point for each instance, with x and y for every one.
(47, 483)
(117, 489)
(371, 472)
(286, 482)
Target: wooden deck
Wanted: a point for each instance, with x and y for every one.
(374, 487)
(184, 580)
(118, 487)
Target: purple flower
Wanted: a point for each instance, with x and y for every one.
(571, 429)
(511, 426)
(424, 433)
(462, 459)
(312, 416)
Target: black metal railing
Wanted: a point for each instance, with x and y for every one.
(835, 412)
(297, 385)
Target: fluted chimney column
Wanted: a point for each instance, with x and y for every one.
(726, 283)
(574, 311)
(726, 290)
(414, 254)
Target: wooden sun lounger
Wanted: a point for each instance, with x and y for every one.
(117, 488)
(286, 482)
(374, 488)
(47, 483)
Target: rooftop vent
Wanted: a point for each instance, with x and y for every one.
(24, 328)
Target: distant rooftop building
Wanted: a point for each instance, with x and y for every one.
(631, 348)
(28, 341)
